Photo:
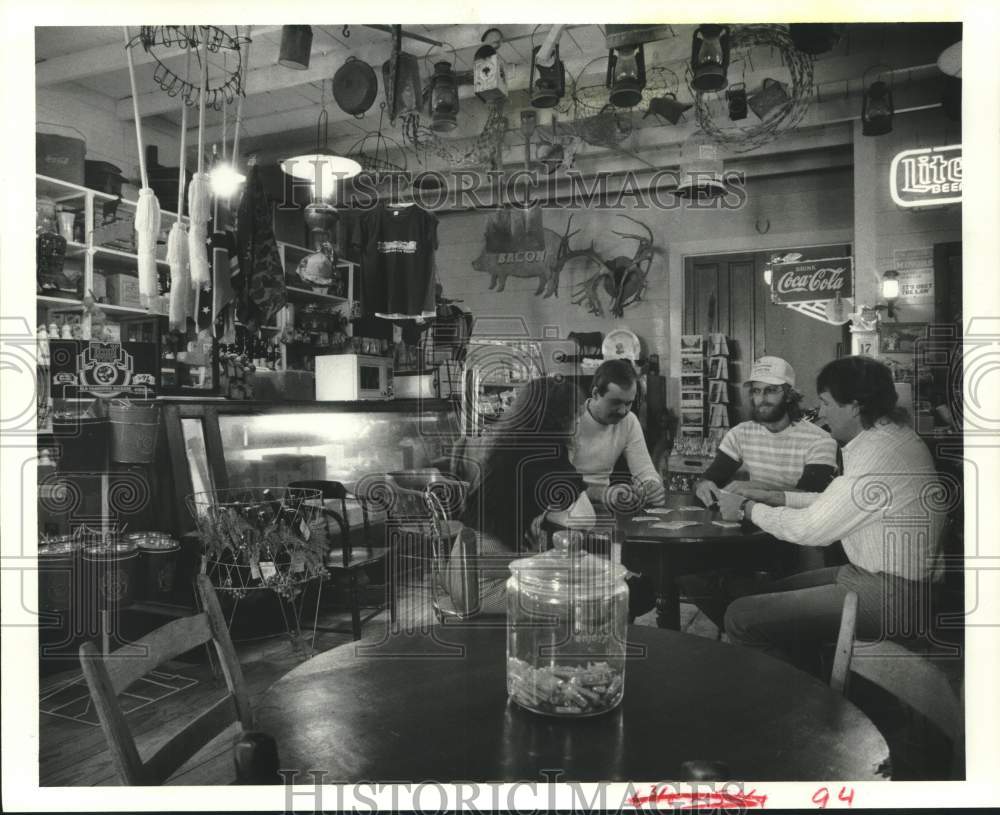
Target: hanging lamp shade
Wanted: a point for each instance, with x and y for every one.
(700, 171)
(709, 57)
(626, 75)
(296, 44)
(323, 168)
(877, 109)
(443, 98)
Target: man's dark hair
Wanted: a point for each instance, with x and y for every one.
(793, 403)
(620, 372)
(865, 381)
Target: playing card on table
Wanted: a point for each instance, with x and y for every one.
(690, 509)
(645, 518)
(674, 524)
(726, 524)
(659, 511)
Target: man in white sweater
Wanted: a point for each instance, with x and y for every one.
(607, 429)
(888, 510)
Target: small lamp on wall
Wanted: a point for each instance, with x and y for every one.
(890, 291)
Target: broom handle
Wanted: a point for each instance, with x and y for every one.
(239, 103)
(135, 109)
(201, 104)
(183, 159)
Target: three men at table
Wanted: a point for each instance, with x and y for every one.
(886, 509)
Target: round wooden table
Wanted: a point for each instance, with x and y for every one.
(665, 554)
(437, 710)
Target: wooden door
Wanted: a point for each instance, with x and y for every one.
(727, 294)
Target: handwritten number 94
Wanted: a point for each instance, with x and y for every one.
(822, 796)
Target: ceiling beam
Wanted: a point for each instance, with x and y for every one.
(271, 78)
(103, 59)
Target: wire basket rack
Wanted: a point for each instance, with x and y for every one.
(256, 538)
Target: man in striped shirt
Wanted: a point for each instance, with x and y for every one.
(888, 510)
(776, 449)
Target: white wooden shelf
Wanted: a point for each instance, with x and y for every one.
(58, 302)
(108, 252)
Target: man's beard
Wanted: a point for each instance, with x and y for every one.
(767, 414)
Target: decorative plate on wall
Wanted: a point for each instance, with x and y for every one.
(621, 344)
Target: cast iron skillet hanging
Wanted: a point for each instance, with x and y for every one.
(355, 86)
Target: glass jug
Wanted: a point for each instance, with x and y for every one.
(567, 612)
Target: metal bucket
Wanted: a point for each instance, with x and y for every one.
(58, 567)
(134, 426)
(158, 554)
(112, 570)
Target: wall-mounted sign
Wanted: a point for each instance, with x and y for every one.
(915, 268)
(927, 177)
(103, 369)
(812, 280)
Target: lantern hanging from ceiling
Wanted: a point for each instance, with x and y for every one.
(444, 98)
(548, 83)
(700, 172)
(709, 57)
(626, 75)
(876, 107)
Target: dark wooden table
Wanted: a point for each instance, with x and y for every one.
(665, 554)
(437, 709)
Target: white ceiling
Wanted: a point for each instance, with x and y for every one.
(281, 107)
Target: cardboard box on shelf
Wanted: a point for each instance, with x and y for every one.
(123, 290)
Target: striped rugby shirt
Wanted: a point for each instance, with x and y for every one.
(887, 509)
(778, 459)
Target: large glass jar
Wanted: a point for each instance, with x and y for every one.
(567, 612)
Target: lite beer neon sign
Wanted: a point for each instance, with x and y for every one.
(927, 177)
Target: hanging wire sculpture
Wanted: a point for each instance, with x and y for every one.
(484, 151)
(783, 117)
(157, 40)
(371, 151)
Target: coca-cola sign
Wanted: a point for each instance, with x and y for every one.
(927, 177)
(803, 280)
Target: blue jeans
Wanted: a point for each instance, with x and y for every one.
(798, 615)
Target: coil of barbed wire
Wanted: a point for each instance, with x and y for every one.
(155, 38)
(800, 66)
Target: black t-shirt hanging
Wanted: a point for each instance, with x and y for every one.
(398, 262)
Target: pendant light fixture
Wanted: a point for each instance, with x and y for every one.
(322, 167)
(296, 44)
(876, 107)
(709, 57)
(626, 75)
(443, 98)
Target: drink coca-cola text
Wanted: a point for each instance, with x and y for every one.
(819, 280)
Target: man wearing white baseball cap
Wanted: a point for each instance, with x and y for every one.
(776, 448)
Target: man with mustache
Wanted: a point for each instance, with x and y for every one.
(777, 449)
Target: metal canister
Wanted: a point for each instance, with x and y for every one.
(158, 553)
(58, 570)
(112, 571)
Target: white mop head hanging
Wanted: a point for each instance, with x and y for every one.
(199, 210)
(147, 229)
(180, 276)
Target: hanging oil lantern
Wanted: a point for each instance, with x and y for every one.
(548, 83)
(626, 75)
(876, 108)
(444, 98)
(710, 57)
(489, 74)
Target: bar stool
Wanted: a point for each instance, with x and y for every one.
(345, 559)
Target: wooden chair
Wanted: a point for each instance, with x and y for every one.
(108, 675)
(908, 675)
(343, 558)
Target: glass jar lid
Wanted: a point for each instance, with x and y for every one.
(567, 569)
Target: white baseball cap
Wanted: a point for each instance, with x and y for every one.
(772, 371)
